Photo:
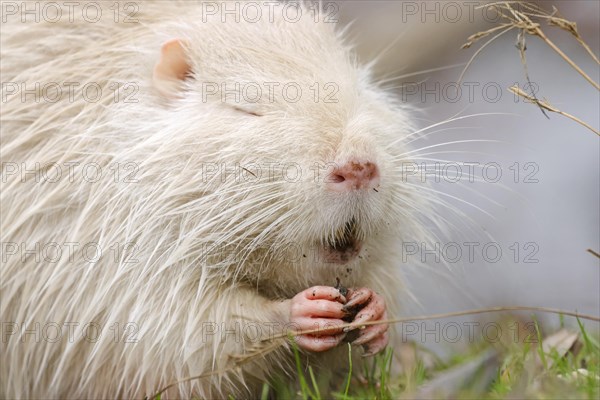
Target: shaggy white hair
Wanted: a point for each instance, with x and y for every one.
(137, 184)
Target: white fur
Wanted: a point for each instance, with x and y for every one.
(171, 214)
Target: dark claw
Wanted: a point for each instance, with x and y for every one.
(356, 303)
(341, 288)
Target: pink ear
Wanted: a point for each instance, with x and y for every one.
(171, 68)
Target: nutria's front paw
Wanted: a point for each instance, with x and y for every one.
(321, 308)
(364, 305)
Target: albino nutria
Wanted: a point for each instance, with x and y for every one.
(177, 186)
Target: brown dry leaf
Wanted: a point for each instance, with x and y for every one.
(561, 341)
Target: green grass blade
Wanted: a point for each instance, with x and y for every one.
(265, 392)
(306, 392)
(317, 394)
(349, 371)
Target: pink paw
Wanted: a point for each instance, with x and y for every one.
(319, 307)
(371, 306)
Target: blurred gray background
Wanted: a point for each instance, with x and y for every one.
(558, 216)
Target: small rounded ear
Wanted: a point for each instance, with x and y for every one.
(171, 68)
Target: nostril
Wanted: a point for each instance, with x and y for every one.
(354, 175)
(337, 178)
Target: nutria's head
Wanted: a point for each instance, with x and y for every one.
(288, 142)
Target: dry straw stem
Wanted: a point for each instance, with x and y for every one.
(447, 315)
(544, 105)
(522, 18)
(271, 343)
(593, 253)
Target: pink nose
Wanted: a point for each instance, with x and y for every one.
(354, 175)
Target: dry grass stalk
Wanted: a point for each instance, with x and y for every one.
(592, 252)
(524, 19)
(544, 105)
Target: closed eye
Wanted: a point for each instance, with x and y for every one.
(246, 111)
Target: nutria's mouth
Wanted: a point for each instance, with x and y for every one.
(344, 246)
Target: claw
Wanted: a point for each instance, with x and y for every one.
(358, 298)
